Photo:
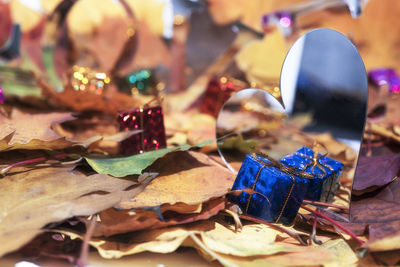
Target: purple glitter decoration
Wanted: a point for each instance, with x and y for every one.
(2, 97)
(283, 18)
(385, 76)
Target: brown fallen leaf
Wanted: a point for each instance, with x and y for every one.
(331, 253)
(217, 241)
(149, 56)
(118, 222)
(188, 177)
(5, 23)
(41, 196)
(32, 131)
(376, 171)
(159, 240)
(98, 32)
(86, 101)
(379, 212)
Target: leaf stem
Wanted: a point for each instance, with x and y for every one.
(4, 171)
(317, 203)
(338, 225)
(83, 258)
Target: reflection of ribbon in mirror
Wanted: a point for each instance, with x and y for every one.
(291, 171)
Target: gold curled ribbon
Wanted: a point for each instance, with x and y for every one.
(291, 171)
(315, 163)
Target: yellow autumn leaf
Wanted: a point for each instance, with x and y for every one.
(150, 12)
(26, 17)
(49, 5)
(261, 60)
(252, 240)
(88, 15)
(385, 244)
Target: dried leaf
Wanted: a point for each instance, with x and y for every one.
(118, 222)
(26, 17)
(6, 23)
(380, 212)
(376, 171)
(252, 240)
(159, 241)
(98, 37)
(188, 177)
(262, 60)
(151, 12)
(169, 239)
(315, 256)
(32, 131)
(87, 101)
(41, 196)
(388, 243)
(120, 167)
(150, 56)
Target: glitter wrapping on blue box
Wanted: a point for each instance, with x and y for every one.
(326, 173)
(279, 194)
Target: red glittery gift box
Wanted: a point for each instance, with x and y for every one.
(151, 121)
(218, 91)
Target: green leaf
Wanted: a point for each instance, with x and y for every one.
(121, 167)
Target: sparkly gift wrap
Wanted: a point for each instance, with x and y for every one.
(218, 91)
(141, 81)
(385, 76)
(275, 196)
(326, 172)
(151, 121)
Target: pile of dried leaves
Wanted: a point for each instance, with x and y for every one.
(66, 186)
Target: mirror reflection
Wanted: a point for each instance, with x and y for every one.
(323, 105)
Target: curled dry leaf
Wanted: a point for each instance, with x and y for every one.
(118, 222)
(252, 240)
(32, 131)
(212, 237)
(188, 177)
(86, 101)
(376, 171)
(331, 253)
(379, 211)
(164, 240)
(38, 197)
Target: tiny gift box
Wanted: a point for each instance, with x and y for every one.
(148, 119)
(326, 172)
(385, 76)
(268, 190)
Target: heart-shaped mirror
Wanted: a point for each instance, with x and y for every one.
(324, 98)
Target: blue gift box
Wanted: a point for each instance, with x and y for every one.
(326, 172)
(276, 194)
